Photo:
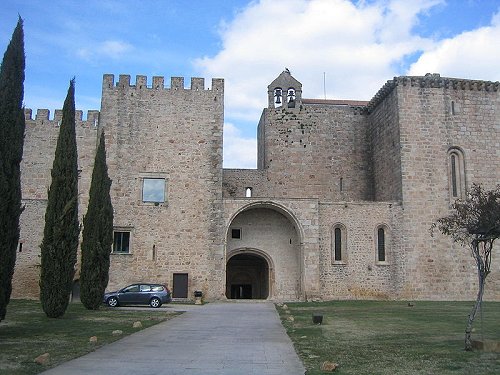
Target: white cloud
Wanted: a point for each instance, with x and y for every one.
(109, 49)
(473, 54)
(357, 45)
(239, 152)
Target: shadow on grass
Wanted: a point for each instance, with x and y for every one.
(27, 332)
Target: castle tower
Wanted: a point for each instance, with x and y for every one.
(164, 149)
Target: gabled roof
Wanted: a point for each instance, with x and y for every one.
(285, 80)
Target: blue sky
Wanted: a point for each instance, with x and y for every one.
(356, 45)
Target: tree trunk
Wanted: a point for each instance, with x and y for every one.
(481, 276)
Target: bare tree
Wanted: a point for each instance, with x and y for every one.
(475, 222)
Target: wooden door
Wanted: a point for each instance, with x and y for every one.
(180, 285)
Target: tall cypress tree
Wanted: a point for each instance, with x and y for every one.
(11, 152)
(60, 236)
(97, 234)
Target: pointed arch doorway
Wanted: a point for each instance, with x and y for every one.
(248, 275)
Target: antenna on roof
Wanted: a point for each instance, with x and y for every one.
(324, 84)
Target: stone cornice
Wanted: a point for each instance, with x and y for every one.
(430, 81)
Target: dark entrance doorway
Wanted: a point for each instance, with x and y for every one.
(247, 277)
(180, 285)
(241, 291)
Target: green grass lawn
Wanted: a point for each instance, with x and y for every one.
(372, 337)
(27, 332)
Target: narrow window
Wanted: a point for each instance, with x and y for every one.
(381, 245)
(121, 242)
(153, 190)
(236, 233)
(248, 192)
(456, 173)
(338, 244)
(20, 248)
(453, 107)
(341, 184)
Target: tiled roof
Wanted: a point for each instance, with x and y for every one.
(356, 103)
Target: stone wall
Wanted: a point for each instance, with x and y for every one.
(176, 134)
(38, 156)
(299, 224)
(316, 151)
(435, 268)
(359, 275)
(385, 149)
(236, 181)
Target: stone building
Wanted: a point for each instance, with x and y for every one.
(339, 206)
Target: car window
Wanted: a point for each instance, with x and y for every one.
(131, 288)
(157, 288)
(145, 288)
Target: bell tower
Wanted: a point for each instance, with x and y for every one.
(284, 91)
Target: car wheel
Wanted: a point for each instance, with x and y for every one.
(155, 302)
(112, 302)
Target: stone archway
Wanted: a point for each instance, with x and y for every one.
(267, 234)
(247, 276)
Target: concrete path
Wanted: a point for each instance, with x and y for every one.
(228, 338)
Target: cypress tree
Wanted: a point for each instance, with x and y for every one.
(11, 152)
(60, 236)
(97, 234)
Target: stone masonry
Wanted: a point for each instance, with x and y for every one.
(339, 207)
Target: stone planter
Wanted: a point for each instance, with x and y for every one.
(197, 297)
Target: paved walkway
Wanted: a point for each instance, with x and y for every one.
(224, 338)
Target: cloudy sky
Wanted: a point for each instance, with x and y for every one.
(347, 49)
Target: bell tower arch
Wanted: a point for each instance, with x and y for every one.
(285, 91)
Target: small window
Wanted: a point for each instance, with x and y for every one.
(153, 190)
(339, 244)
(236, 233)
(381, 245)
(121, 242)
(248, 192)
(456, 173)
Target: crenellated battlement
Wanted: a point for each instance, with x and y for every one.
(43, 115)
(431, 80)
(158, 83)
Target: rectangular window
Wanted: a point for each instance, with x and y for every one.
(153, 190)
(121, 242)
(236, 233)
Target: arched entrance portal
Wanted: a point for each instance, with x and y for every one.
(247, 277)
